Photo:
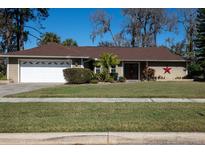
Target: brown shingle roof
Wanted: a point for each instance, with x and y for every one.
(140, 54)
(50, 49)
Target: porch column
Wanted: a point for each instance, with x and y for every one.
(147, 65)
(7, 69)
(82, 64)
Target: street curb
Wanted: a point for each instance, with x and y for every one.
(103, 138)
(94, 100)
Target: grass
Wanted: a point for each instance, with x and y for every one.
(140, 89)
(94, 117)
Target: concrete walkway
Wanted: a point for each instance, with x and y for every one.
(103, 138)
(12, 88)
(112, 100)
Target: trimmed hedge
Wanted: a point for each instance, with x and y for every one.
(77, 75)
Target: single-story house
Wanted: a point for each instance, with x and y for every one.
(46, 63)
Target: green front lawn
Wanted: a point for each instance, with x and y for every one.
(91, 117)
(140, 89)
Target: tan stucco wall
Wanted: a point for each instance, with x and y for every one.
(178, 70)
(119, 70)
(12, 69)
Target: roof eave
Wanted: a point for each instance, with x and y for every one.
(37, 56)
(161, 60)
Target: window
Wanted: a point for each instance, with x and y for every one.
(113, 69)
(97, 69)
(76, 62)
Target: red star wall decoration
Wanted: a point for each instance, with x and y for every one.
(167, 70)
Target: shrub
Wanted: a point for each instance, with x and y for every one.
(195, 70)
(93, 77)
(100, 76)
(77, 75)
(3, 69)
(106, 61)
(94, 81)
(110, 79)
(2, 76)
(149, 73)
(114, 76)
(122, 79)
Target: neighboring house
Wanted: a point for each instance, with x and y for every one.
(46, 63)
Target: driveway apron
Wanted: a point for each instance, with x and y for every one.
(8, 89)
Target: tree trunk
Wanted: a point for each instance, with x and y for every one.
(17, 30)
(21, 32)
(7, 42)
(155, 39)
(133, 37)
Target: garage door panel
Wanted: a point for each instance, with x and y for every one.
(44, 71)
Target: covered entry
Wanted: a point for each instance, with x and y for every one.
(42, 70)
(132, 70)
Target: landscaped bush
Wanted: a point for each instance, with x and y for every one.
(110, 79)
(101, 76)
(77, 75)
(106, 61)
(2, 72)
(195, 70)
(94, 81)
(122, 79)
(2, 76)
(149, 74)
(97, 76)
(114, 76)
(3, 69)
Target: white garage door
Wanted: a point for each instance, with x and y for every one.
(43, 70)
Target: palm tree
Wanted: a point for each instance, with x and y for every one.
(106, 61)
(70, 42)
(49, 37)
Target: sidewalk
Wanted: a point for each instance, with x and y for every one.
(112, 100)
(103, 138)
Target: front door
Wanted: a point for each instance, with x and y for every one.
(131, 71)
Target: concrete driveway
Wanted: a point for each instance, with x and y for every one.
(8, 89)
